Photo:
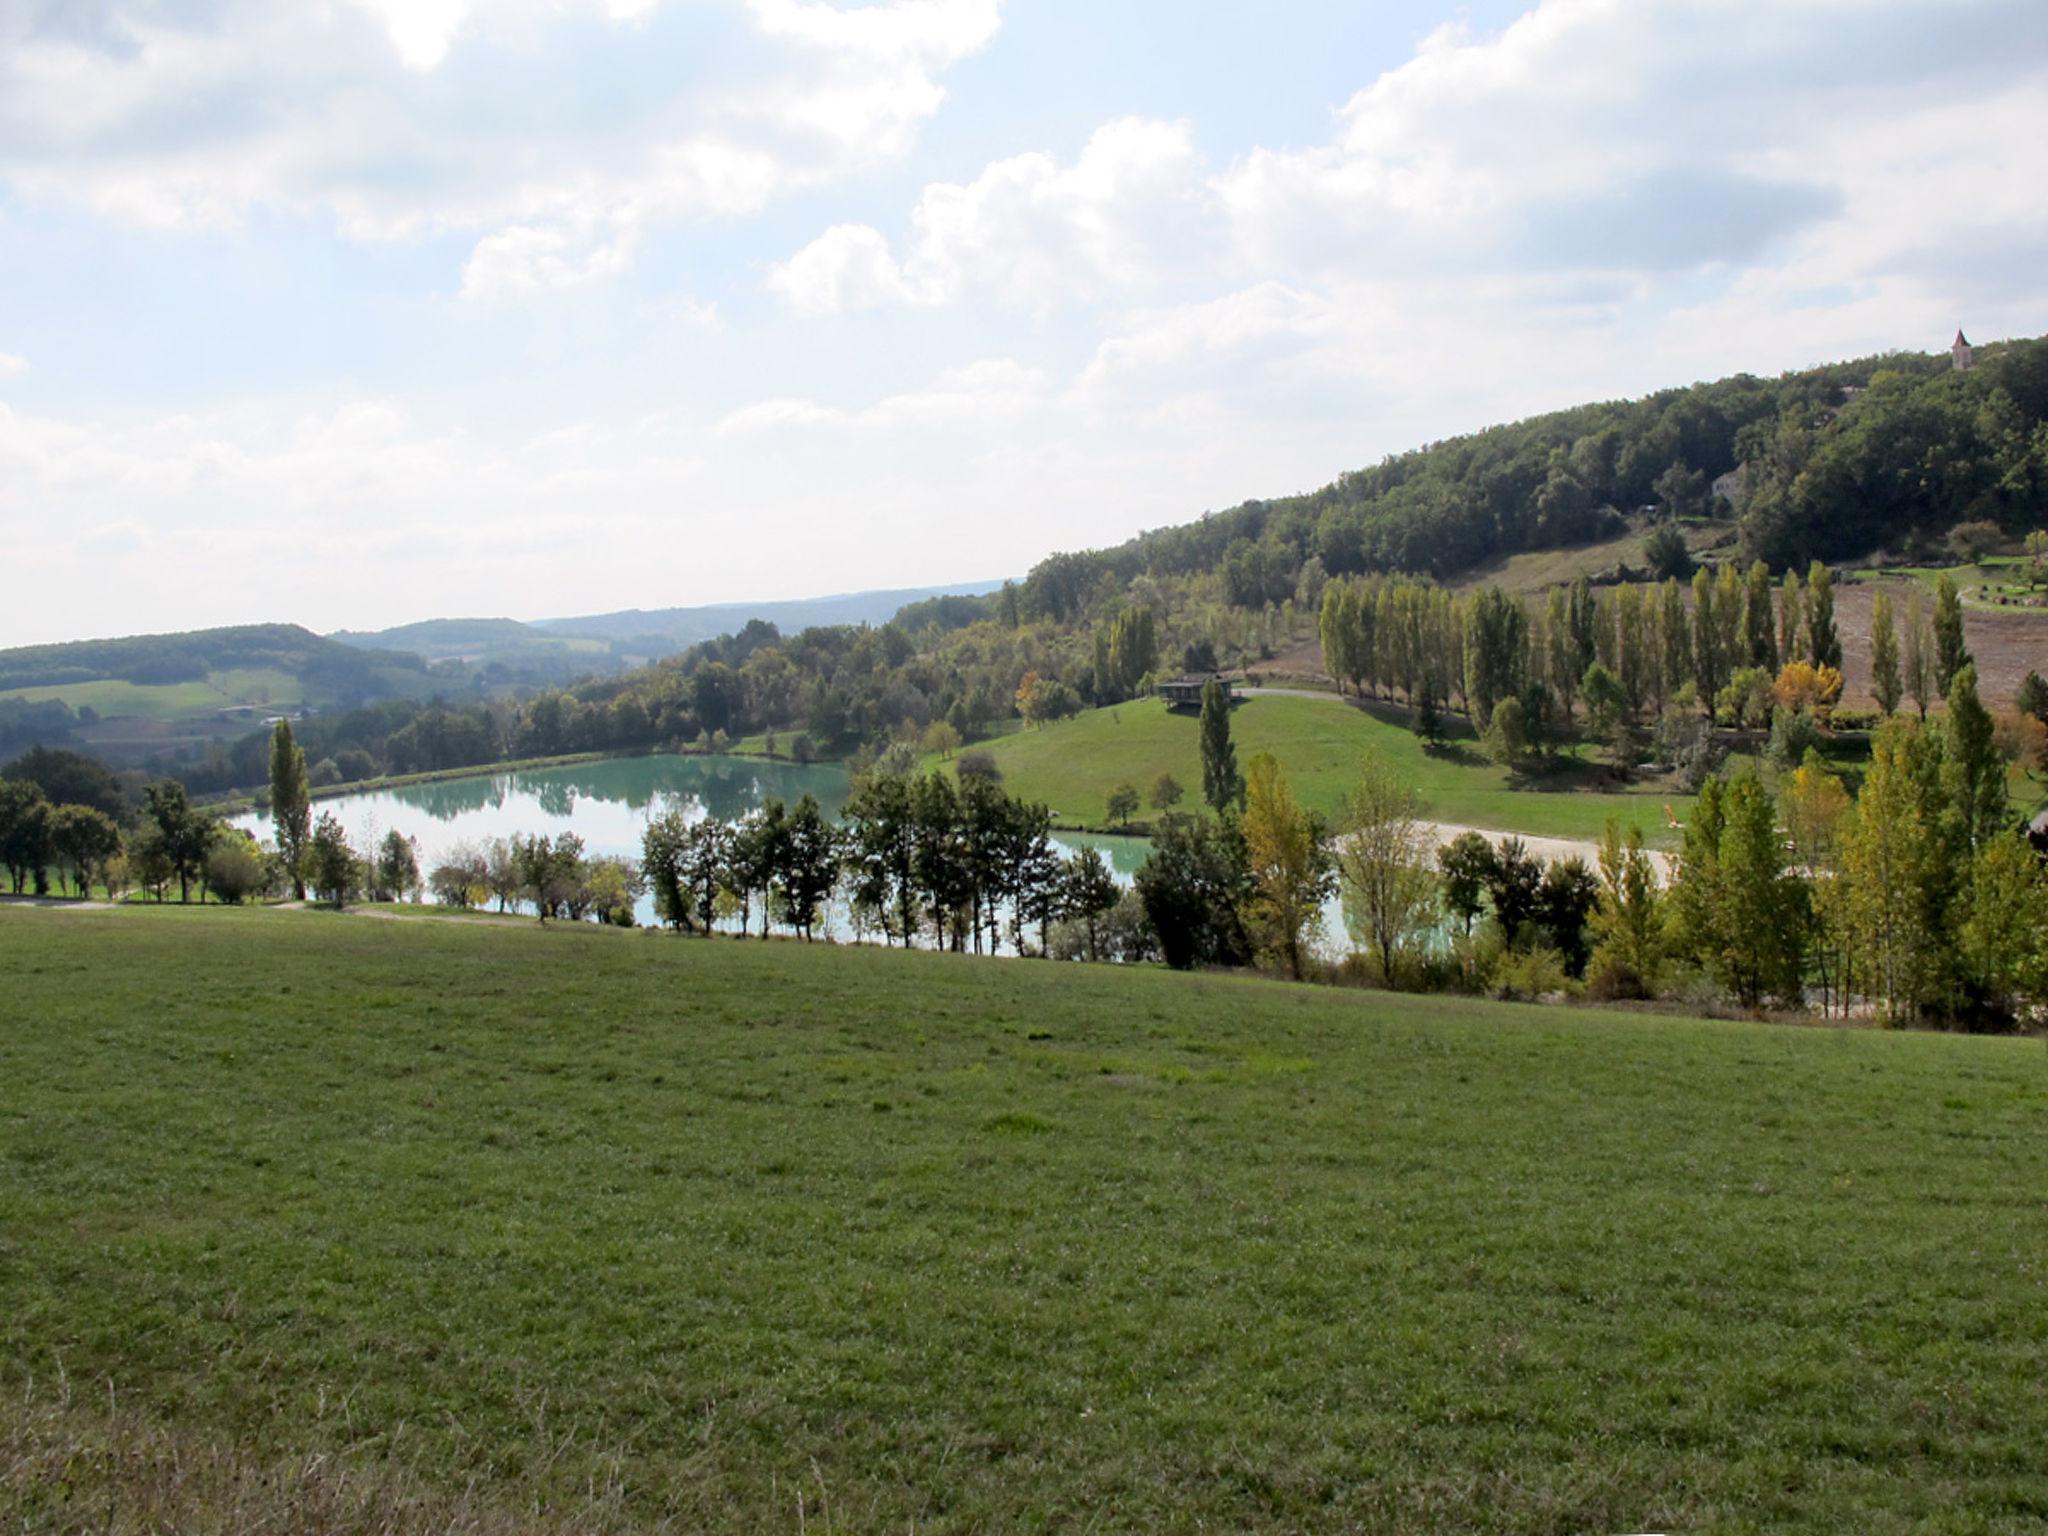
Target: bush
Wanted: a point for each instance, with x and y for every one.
(978, 764)
(235, 869)
(1793, 735)
(1529, 974)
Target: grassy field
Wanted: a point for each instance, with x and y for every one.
(609, 1231)
(259, 686)
(1073, 765)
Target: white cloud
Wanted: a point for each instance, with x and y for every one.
(533, 123)
(1027, 230)
(12, 366)
(994, 391)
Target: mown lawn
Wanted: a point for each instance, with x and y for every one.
(765, 1237)
(1075, 764)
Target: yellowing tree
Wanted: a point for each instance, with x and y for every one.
(1290, 866)
(1802, 685)
(1383, 863)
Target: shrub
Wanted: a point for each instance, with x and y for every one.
(235, 870)
(1529, 974)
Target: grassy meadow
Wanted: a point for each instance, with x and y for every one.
(1073, 765)
(522, 1228)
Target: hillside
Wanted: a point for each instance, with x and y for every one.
(496, 1228)
(129, 698)
(1073, 765)
(1838, 462)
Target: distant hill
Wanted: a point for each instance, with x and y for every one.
(564, 650)
(138, 696)
(647, 632)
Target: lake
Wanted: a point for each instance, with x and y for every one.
(608, 804)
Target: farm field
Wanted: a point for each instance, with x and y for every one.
(1073, 765)
(112, 696)
(509, 1228)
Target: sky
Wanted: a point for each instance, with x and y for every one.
(355, 312)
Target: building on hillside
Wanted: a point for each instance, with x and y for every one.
(1728, 487)
(1185, 692)
(1962, 354)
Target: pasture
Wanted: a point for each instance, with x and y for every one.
(316, 1220)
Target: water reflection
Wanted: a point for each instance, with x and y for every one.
(609, 803)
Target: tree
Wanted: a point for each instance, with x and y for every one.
(941, 739)
(1951, 655)
(663, 846)
(1666, 554)
(1465, 865)
(1564, 903)
(2032, 698)
(1089, 891)
(1222, 785)
(1885, 679)
(333, 872)
(397, 874)
(1123, 803)
(1496, 651)
(1893, 863)
(1513, 882)
(1759, 632)
(1805, 687)
(1919, 654)
(187, 833)
(1507, 736)
(1792, 632)
(291, 804)
(1709, 665)
(1194, 887)
(235, 870)
(550, 871)
(978, 764)
(1824, 644)
(1383, 864)
(86, 839)
(1741, 914)
(24, 833)
(810, 864)
(1816, 805)
(1289, 864)
(2003, 935)
(1973, 772)
(1166, 792)
(1628, 920)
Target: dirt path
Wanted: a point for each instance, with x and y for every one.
(1548, 849)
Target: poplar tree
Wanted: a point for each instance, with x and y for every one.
(1951, 655)
(1972, 770)
(291, 804)
(1673, 637)
(1884, 655)
(1222, 784)
(1892, 860)
(1791, 615)
(1761, 639)
(1706, 645)
(1919, 654)
(1823, 643)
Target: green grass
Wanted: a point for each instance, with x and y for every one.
(258, 686)
(951, 1245)
(1075, 764)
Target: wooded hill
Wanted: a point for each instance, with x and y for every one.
(1839, 462)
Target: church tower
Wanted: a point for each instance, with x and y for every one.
(1962, 354)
